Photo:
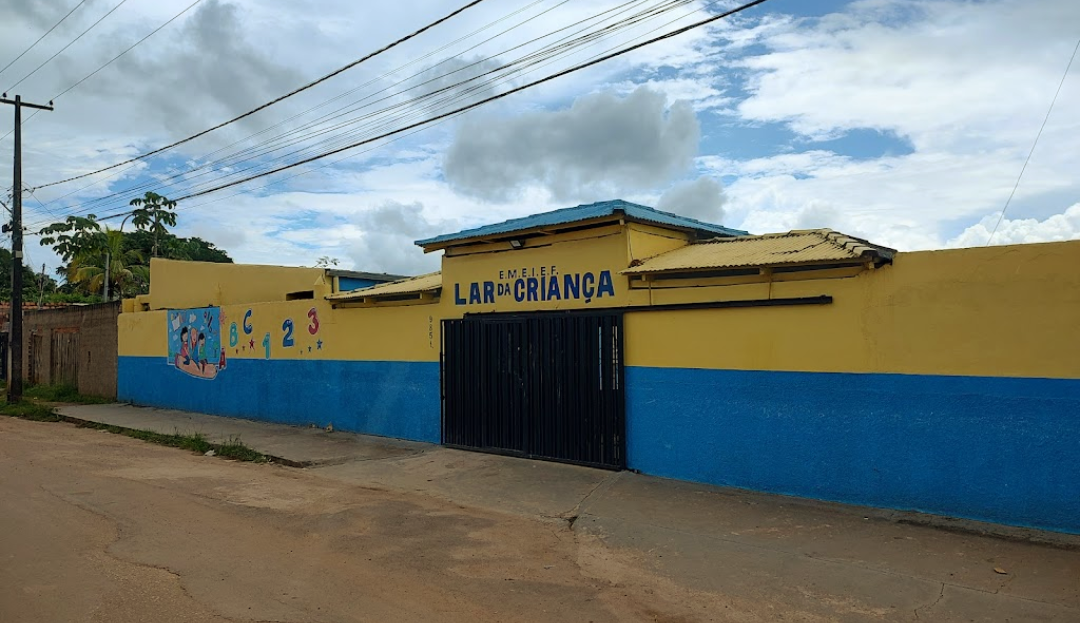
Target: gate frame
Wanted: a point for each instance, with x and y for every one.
(618, 313)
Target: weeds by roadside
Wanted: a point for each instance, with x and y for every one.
(232, 448)
(62, 393)
(29, 411)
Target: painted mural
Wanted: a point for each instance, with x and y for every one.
(195, 342)
(292, 342)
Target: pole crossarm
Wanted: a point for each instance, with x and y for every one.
(4, 100)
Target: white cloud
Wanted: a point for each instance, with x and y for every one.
(597, 148)
(966, 84)
(1059, 227)
(702, 199)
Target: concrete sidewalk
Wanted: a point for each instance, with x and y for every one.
(824, 561)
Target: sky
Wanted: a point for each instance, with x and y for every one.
(905, 122)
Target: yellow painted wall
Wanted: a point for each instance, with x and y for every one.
(578, 253)
(999, 311)
(179, 285)
(644, 241)
(376, 334)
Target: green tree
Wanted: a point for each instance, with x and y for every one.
(174, 248)
(73, 237)
(87, 249)
(125, 269)
(152, 213)
(32, 282)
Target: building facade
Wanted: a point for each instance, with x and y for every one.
(808, 363)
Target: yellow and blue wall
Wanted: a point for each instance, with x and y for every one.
(293, 362)
(947, 382)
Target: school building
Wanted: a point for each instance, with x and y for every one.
(807, 363)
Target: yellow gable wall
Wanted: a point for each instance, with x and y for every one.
(505, 280)
(999, 311)
(177, 285)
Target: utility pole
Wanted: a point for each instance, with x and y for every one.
(41, 287)
(15, 336)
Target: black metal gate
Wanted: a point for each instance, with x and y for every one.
(541, 385)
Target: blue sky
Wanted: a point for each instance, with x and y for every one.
(902, 121)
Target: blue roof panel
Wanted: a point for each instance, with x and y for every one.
(632, 211)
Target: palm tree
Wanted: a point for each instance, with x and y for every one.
(126, 269)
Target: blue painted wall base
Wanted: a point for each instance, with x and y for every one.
(386, 398)
(1004, 450)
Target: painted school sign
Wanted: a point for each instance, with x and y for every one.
(536, 283)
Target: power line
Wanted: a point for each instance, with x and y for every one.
(335, 98)
(428, 121)
(278, 99)
(1001, 216)
(559, 48)
(61, 51)
(34, 44)
(110, 62)
(559, 45)
(133, 46)
(448, 96)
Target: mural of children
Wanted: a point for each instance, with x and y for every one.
(202, 352)
(195, 344)
(185, 353)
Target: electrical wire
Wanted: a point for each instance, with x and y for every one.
(61, 51)
(532, 57)
(132, 47)
(276, 100)
(109, 62)
(1042, 127)
(34, 44)
(345, 94)
(487, 100)
(151, 184)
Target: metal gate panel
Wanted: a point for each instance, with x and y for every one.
(544, 386)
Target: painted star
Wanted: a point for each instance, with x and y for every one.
(252, 343)
(319, 343)
(309, 349)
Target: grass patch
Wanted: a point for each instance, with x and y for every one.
(28, 410)
(235, 449)
(61, 393)
(232, 448)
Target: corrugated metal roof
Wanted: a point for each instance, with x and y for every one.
(795, 247)
(359, 274)
(412, 285)
(618, 207)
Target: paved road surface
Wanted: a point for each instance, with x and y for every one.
(98, 527)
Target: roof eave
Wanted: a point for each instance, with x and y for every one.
(619, 215)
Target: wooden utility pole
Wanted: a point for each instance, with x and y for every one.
(41, 287)
(15, 335)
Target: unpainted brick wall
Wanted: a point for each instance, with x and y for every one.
(96, 326)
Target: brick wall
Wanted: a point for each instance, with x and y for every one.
(89, 335)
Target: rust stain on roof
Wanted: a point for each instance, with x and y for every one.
(815, 246)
